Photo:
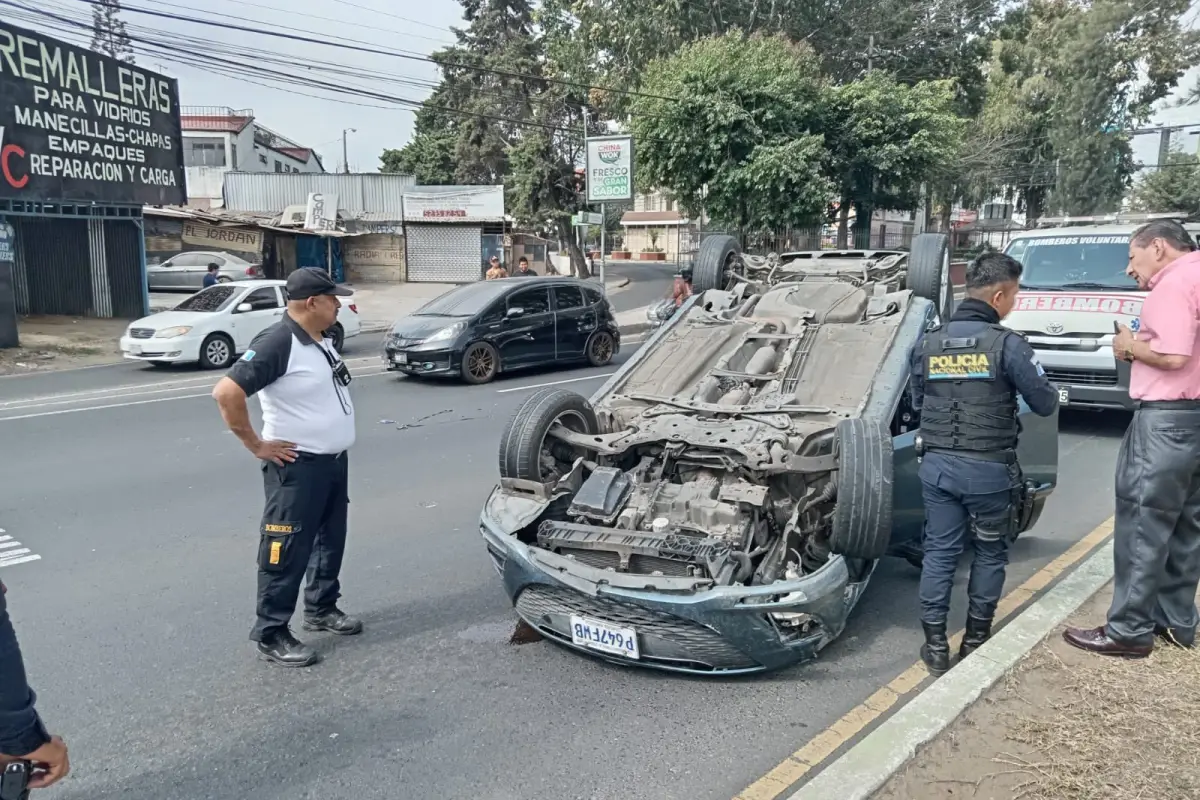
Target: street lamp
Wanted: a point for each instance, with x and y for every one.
(345, 160)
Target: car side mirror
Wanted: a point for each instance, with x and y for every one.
(513, 313)
(243, 308)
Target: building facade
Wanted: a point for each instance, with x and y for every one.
(220, 140)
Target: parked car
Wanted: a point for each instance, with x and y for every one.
(478, 330)
(187, 270)
(720, 504)
(215, 325)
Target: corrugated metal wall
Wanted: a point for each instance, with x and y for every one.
(79, 267)
(275, 191)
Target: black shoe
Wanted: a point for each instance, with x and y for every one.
(1178, 638)
(978, 631)
(936, 650)
(287, 651)
(333, 621)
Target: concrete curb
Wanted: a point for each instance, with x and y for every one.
(867, 766)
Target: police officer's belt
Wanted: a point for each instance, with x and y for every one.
(997, 456)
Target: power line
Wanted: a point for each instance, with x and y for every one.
(376, 51)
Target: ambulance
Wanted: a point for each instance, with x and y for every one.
(1074, 291)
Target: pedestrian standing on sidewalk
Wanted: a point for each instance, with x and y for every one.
(308, 427)
(495, 271)
(1156, 538)
(966, 375)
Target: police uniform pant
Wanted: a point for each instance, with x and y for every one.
(965, 499)
(1156, 538)
(303, 532)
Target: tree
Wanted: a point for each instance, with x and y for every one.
(1173, 186)
(108, 31)
(429, 156)
(885, 139)
(731, 125)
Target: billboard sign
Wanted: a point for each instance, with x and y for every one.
(455, 204)
(79, 126)
(609, 169)
(320, 213)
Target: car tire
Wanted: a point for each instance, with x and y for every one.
(337, 335)
(712, 262)
(862, 514)
(929, 272)
(600, 349)
(480, 363)
(216, 352)
(524, 438)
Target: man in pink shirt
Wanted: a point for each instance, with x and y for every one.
(1156, 540)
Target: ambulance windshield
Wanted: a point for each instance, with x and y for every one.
(1073, 262)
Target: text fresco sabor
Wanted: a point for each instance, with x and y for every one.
(76, 125)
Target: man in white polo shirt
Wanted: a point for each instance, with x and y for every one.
(308, 425)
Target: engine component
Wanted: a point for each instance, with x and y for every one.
(638, 552)
(602, 495)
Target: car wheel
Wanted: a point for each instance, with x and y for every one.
(713, 262)
(480, 363)
(527, 452)
(862, 515)
(600, 348)
(216, 352)
(929, 272)
(337, 335)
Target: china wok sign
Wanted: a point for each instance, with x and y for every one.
(609, 169)
(79, 126)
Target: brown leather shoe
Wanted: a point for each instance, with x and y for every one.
(1097, 640)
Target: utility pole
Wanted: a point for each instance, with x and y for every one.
(345, 159)
(870, 53)
(1164, 146)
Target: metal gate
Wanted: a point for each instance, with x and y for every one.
(444, 253)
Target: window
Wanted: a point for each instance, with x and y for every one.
(262, 159)
(493, 315)
(593, 295)
(233, 155)
(278, 166)
(262, 299)
(465, 301)
(1059, 262)
(214, 298)
(568, 297)
(534, 301)
(203, 152)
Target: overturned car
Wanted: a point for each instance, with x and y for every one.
(721, 503)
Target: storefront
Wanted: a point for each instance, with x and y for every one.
(450, 231)
(85, 142)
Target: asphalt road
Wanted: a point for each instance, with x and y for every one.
(134, 619)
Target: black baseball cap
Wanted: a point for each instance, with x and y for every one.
(309, 282)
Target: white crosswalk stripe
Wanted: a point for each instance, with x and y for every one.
(12, 552)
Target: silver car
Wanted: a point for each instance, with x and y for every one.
(187, 270)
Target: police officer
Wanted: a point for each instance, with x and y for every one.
(966, 375)
(308, 425)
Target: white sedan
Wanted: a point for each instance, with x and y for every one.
(215, 325)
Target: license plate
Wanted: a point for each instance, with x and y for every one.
(135, 349)
(1064, 395)
(603, 637)
(400, 358)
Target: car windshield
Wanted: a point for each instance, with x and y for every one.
(214, 298)
(1073, 262)
(465, 301)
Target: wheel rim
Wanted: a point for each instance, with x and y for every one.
(602, 347)
(555, 457)
(480, 363)
(217, 352)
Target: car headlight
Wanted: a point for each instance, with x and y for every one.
(447, 333)
(173, 333)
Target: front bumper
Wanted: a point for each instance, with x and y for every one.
(422, 359)
(1092, 380)
(175, 351)
(715, 631)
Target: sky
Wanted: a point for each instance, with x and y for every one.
(415, 27)
(315, 117)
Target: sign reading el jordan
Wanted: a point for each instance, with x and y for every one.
(960, 367)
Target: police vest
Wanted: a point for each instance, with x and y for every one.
(969, 404)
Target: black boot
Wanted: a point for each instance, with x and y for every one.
(936, 650)
(334, 621)
(978, 631)
(286, 650)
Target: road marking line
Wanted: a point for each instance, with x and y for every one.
(23, 560)
(6, 543)
(824, 744)
(554, 383)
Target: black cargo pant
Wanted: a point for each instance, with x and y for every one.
(1156, 538)
(303, 532)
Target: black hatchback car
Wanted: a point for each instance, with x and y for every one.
(479, 330)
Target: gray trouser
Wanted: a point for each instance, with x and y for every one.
(1156, 541)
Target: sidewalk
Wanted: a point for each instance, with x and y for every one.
(1067, 725)
(52, 343)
